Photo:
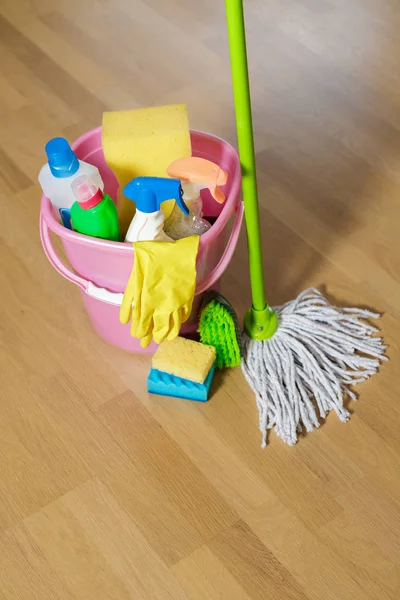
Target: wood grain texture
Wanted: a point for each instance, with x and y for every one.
(107, 493)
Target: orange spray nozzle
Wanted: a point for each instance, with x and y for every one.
(201, 172)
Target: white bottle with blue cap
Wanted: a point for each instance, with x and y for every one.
(148, 193)
(58, 174)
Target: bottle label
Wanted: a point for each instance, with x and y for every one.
(65, 214)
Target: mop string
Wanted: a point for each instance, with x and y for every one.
(306, 369)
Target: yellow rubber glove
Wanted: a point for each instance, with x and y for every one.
(161, 288)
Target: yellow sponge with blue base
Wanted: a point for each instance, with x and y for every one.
(166, 384)
(184, 358)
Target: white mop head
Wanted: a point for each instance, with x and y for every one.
(317, 352)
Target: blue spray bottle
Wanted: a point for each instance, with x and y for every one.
(148, 193)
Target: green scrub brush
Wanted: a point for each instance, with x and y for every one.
(219, 327)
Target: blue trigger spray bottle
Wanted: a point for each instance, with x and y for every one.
(148, 193)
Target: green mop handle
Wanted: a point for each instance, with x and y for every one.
(260, 322)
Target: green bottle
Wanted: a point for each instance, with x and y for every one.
(94, 213)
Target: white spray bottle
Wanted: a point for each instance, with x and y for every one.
(148, 193)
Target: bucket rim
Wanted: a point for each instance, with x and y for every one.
(125, 247)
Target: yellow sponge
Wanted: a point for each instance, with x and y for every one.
(143, 142)
(184, 358)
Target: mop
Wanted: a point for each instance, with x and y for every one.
(300, 358)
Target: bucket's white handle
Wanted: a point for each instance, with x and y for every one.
(116, 298)
(104, 295)
(87, 286)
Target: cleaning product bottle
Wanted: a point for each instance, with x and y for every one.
(148, 193)
(94, 213)
(196, 174)
(57, 175)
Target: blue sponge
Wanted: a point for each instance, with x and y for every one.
(165, 384)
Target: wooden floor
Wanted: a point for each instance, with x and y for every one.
(108, 494)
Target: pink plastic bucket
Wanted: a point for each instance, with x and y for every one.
(102, 268)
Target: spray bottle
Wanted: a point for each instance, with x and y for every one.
(196, 174)
(148, 193)
(94, 213)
